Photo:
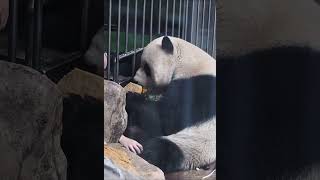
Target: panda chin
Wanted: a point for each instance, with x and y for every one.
(157, 90)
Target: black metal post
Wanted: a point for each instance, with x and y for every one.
(38, 5)
(29, 34)
(84, 25)
(13, 18)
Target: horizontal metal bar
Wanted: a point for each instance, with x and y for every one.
(66, 60)
(130, 53)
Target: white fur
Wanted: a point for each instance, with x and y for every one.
(198, 142)
(187, 61)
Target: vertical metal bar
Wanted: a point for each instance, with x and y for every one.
(12, 43)
(159, 22)
(143, 22)
(173, 17)
(192, 22)
(116, 75)
(186, 24)
(183, 20)
(127, 24)
(109, 41)
(197, 28)
(203, 10)
(84, 25)
(151, 20)
(167, 7)
(135, 38)
(37, 34)
(209, 22)
(29, 35)
(179, 24)
(214, 32)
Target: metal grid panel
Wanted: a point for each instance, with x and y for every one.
(191, 20)
(33, 47)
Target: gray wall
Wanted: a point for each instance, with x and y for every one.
(245, 25)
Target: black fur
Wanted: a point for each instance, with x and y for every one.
(185, 103)
(167, 45)
(82, 137)
(268, 111)
(160, 152)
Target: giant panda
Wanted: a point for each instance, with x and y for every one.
(268, 84)
(178, 130)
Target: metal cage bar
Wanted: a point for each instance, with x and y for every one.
(116, 74)
(209, 22)
(127, 25)
(159, 21)
(109, 40)
(12, 43)
(179, 25)
(192, 20)
(197, 26)
(186, 23)
(214, 32)
(84, 25)
(151, 20)
(173, 17)
(202, 30)
(135, 37)
(143, 22)
(167, 11)
(38, 5)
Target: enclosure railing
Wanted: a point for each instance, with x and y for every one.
(34, 39)
(131, 24)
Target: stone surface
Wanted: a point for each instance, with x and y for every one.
(130, 164)
(82, 83)
(115, 115)
(30, 125)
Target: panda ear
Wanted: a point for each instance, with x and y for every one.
(167, 45)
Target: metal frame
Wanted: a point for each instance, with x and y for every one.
(199, 29)
(34, 36)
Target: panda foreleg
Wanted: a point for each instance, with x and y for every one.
(163, 153)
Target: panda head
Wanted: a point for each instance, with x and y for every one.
(157, 64)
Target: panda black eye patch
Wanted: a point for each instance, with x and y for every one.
(147, 70)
